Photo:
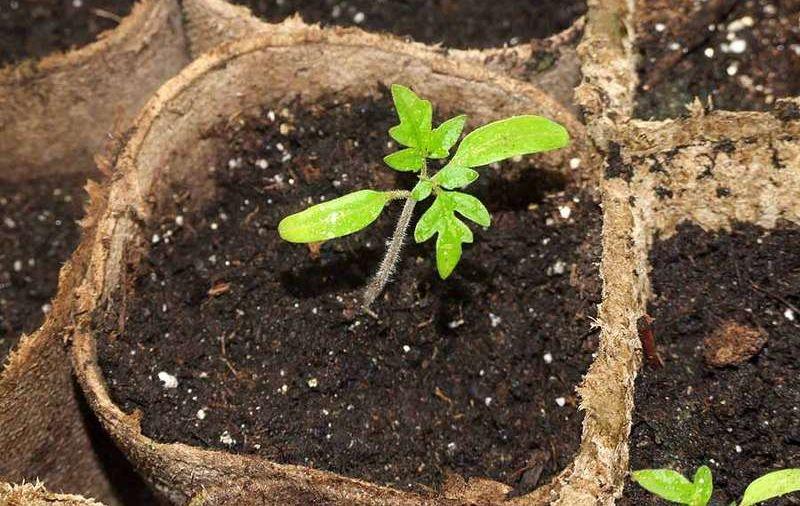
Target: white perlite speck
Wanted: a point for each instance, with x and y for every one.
(557, 268)
(201, 414)
(487, 401)
(738, 46)
(313, 383)
(548, 358)
(564, 211)
(494, 319)
(574, 163)
(738, 449)
(561, 402)
(226, 439)
(169, 380)
(789, 315)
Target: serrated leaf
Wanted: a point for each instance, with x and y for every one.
(445, 137)
(415, 116)
(771, 485)
(452, 232)
(666, 484)
(472, 208)
(518, 135)
(455, 176)
(431, 220)
(703, 486)
(405, 160)
(336, 218)
(421, 191)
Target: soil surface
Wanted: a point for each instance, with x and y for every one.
(234, 339)
(742, 53)
(36, 28)
(742, 420)
(38, 231)
(454, 23)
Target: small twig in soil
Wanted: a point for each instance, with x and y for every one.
(102, 13)
(648, 339)
(774, 296)
(389, 262)
(697, 33)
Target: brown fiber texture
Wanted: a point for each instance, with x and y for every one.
(55, 115)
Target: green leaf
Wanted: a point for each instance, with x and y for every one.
(335, 218)
(445, 137)
(421, 190)
(771, 485)
(405, 160)
(472, 208)
(455, 176)
(448, 245)
(666, 484)
(431, 220)
(703, 486)
(452, 232)
(518, 135)
(415, 116)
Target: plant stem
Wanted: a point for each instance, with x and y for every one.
(389, 262)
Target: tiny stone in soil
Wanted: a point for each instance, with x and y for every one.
(475, 375)
(741, 419)
(743, 54)
(38, 230)
(452, 23)
(33, 29)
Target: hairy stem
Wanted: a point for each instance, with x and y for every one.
(389, 262)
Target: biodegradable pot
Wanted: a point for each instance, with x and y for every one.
(166, 145)
(752, 154)
(214, 21)
(36, 495)
(55, 114)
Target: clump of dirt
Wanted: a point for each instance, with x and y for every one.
(36, 28)
(38, 231)
(459, 24)
(231, 338)
(743, 54)
(732, 343)
(742, 420)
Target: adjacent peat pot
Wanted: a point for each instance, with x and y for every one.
(533, 41)
(705, 211)
(232, 366)
(56, 111)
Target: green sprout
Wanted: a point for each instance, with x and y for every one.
(494, 142)
(674, 487)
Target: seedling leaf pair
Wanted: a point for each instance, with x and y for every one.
(508, 138)
(674, 487)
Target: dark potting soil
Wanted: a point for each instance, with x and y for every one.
(742, 53)
(38, 231)
(36, 28)
(741, 420)
(454, 23)
(234, 339)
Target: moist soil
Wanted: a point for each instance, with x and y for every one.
(270, 354)
(38, 231)
(742, 420)
(453, 23)
(36, 28)
(743, 54)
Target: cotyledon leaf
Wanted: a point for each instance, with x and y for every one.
(336, 218)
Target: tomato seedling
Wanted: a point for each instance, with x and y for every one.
(674, 487)
(494, 142)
